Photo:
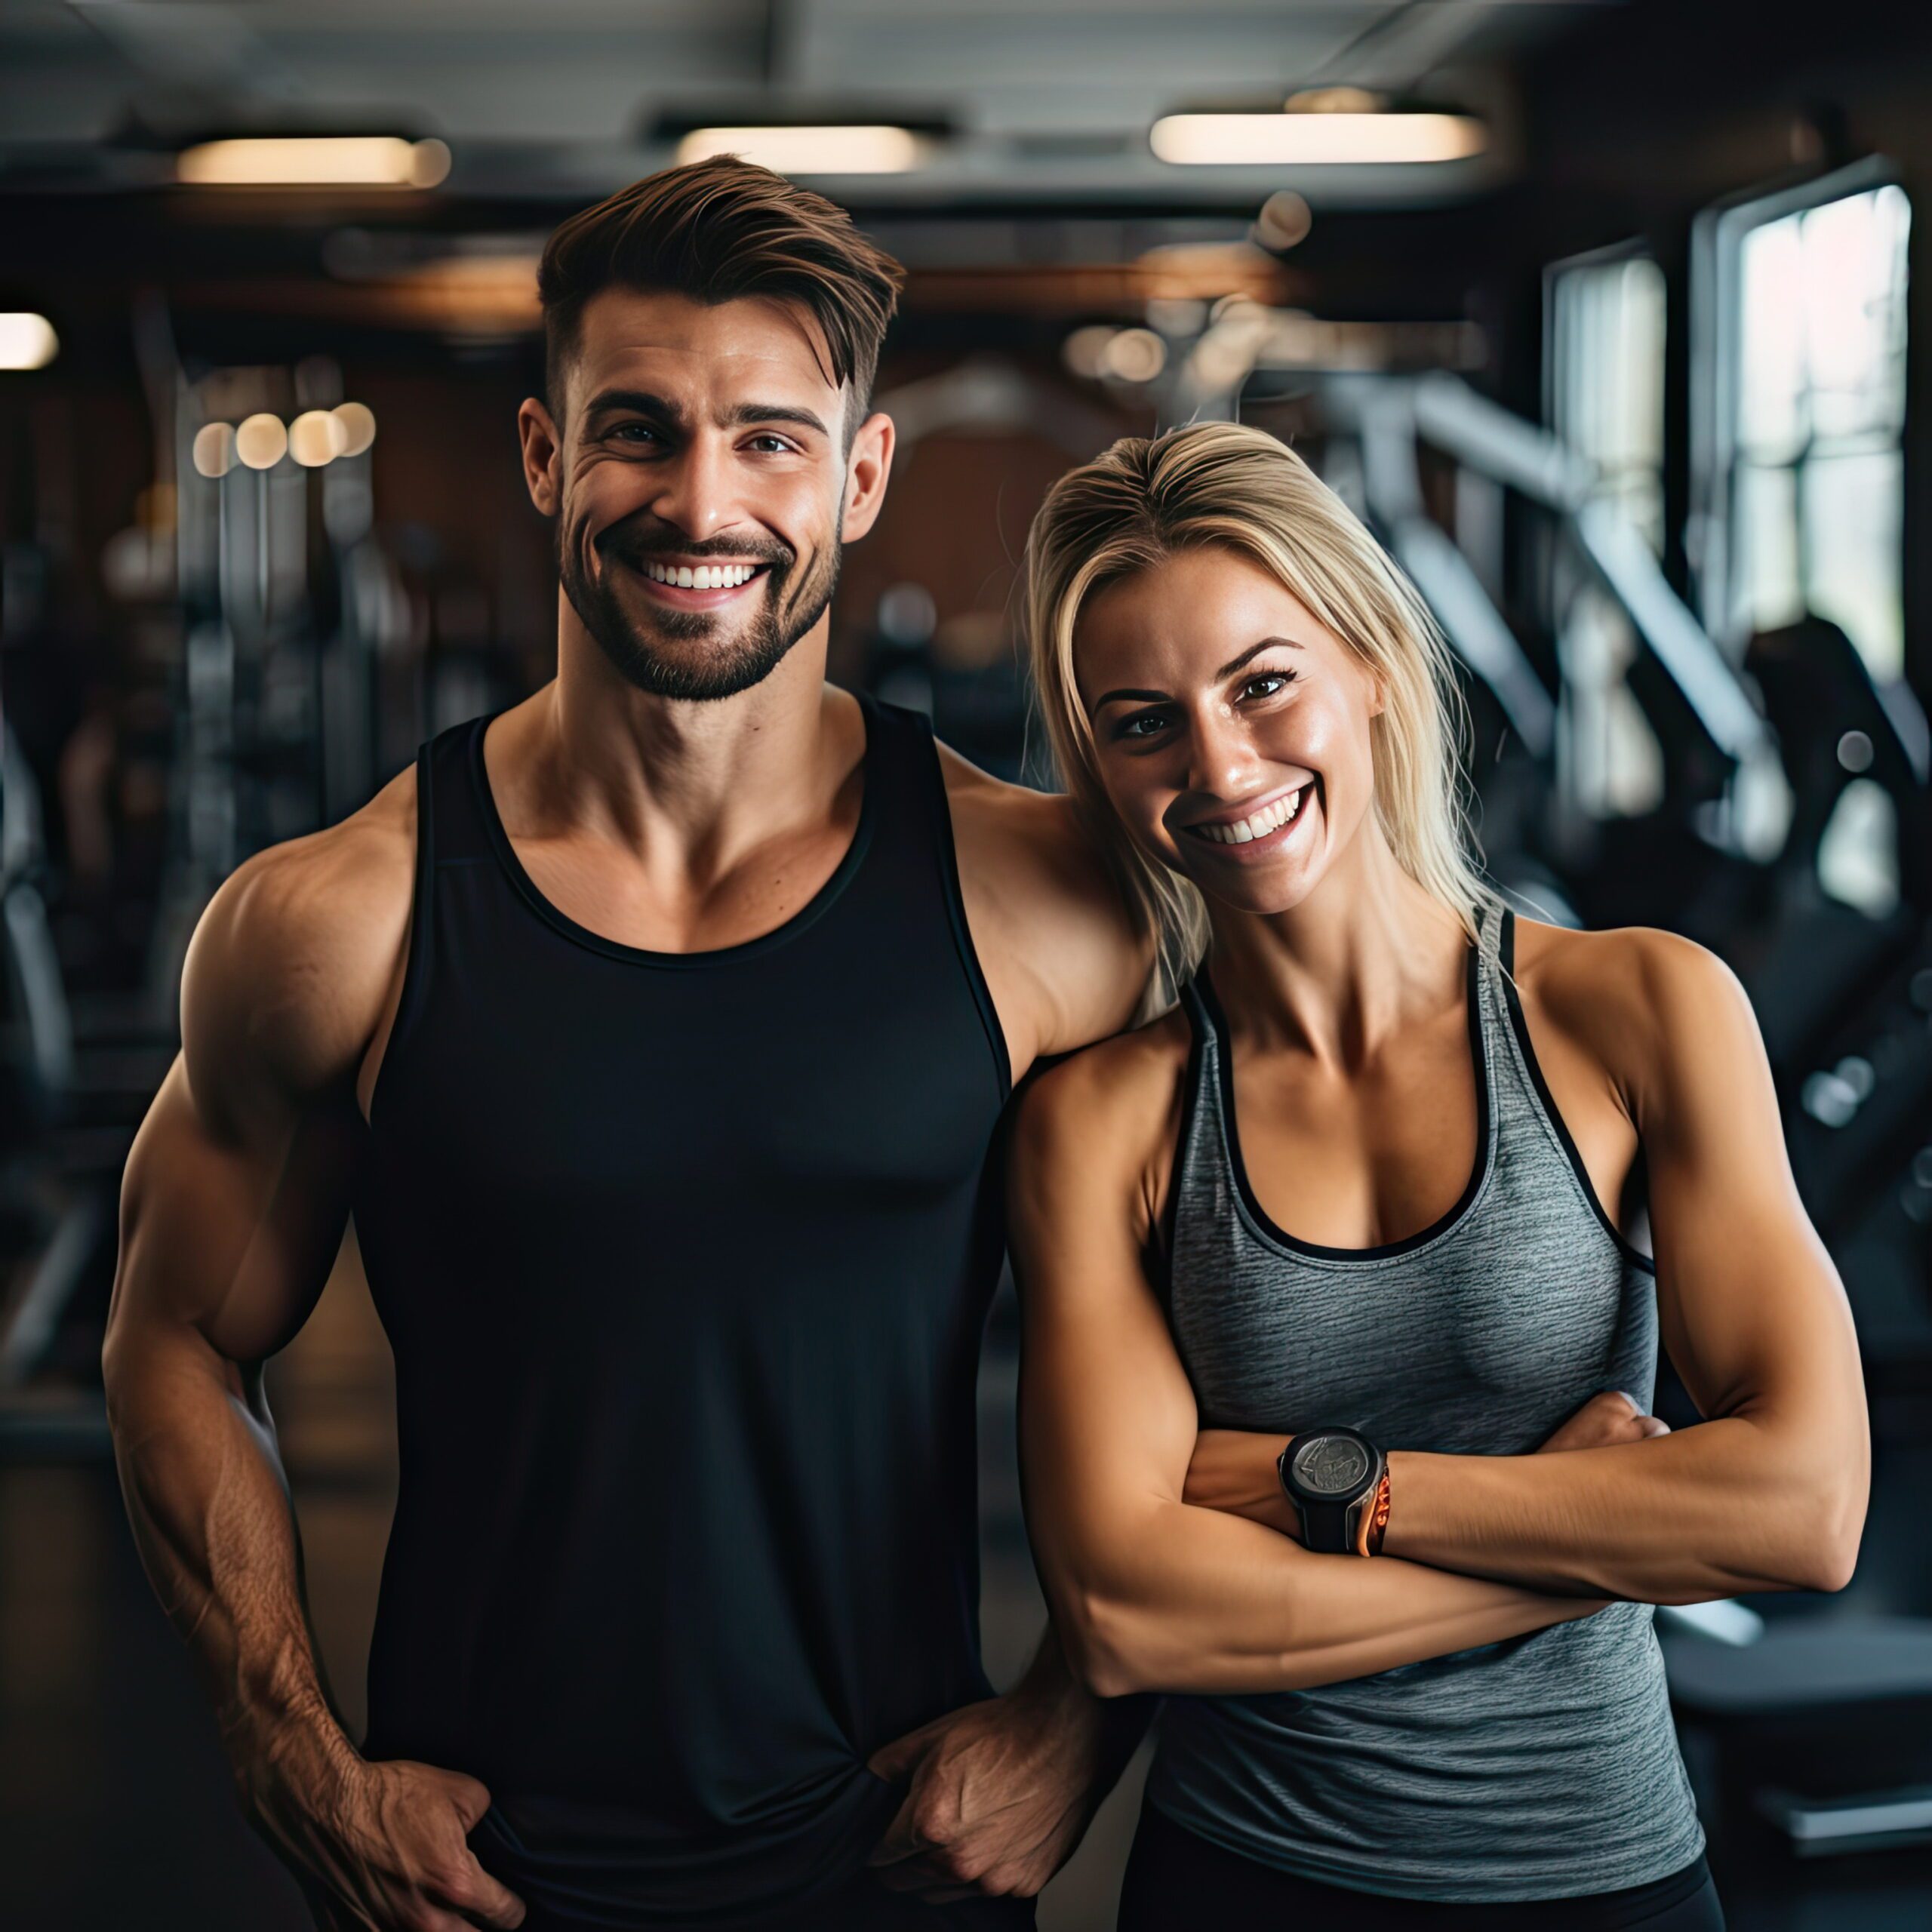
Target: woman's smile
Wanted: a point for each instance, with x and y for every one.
(1253, 833)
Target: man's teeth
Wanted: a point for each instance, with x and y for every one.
(1256, 826)
(706, 576)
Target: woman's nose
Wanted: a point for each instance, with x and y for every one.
(1221, 761)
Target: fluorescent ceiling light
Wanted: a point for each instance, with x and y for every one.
(874, 149)
(27, 341)
(333, 160)
(1315, 139)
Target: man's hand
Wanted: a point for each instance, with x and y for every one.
(998, 1795)
(378, 1847)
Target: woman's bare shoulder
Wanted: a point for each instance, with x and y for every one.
(1116, 1103)
(1631, 996)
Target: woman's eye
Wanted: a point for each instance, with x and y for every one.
(1265, 683)
(1143, 724)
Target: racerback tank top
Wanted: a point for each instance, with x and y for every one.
(1543, 1768)
(685, 1260)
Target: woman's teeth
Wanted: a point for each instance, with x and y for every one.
(706, 576)
(1258, 825)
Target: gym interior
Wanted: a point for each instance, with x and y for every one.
(1603, 316)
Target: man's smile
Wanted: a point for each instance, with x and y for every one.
(684, 585)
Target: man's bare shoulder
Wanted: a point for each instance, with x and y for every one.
(292, 961)
(1039, 826)
(1042, 901)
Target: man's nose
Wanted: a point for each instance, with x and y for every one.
(694, 493)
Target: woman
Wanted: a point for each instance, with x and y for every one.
(1356, 1205)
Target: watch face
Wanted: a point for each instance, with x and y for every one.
(1330, 1466)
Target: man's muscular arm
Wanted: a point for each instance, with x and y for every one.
(233, 1206)
(1064, 960)
(999, 1794)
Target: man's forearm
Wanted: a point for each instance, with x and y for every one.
(1112, 1726)
(217, 1536)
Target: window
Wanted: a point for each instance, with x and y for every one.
(1605, 375)
(1605, 319)
(1801, 395)
(1798, 420)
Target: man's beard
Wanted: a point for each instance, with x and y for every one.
(718, 663)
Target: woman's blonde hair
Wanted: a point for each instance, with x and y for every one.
(1222, 484)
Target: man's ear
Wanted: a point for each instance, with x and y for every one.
(542, 456)
(867, 465)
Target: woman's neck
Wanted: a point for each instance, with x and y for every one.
(1367, 951)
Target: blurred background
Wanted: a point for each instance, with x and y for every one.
(1602, 315)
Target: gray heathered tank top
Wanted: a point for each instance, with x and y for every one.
(1543, 1768)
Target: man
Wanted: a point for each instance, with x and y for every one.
(655, 1031)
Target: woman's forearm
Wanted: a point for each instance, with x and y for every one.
(1195, 1601)
(1726, 1506)
(1707, 1513)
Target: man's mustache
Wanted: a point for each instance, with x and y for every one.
(627, 544)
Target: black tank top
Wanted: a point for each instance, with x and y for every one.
(685, 1260)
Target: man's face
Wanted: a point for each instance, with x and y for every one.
(702, 485)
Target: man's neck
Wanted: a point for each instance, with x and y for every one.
(686, 785)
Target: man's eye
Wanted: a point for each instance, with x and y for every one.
(638, 432)
(776, 445)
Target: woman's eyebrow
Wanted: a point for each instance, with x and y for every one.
(1126, 697)
(1248, 656)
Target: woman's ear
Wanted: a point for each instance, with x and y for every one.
(1378, 693)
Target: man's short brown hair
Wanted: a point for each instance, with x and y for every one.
(717, 231)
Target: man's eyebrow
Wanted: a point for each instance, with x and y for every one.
(747, 415)
(641, 401)
(1248, 656)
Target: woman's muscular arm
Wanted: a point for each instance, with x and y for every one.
(1769, 1492)
(233, 1206)
(1150, 1592)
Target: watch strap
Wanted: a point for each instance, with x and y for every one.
(1328, 1528)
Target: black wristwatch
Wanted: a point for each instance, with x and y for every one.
(1333, 1477)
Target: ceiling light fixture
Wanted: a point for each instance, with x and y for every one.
(315, 439)
(214, 450)
(1315, 139)
(330, 160)
(261, 441)
(355, 428)
(874, 148)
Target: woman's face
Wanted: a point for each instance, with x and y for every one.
(1232, 728)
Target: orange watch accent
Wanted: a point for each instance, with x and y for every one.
(1375, 1520)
